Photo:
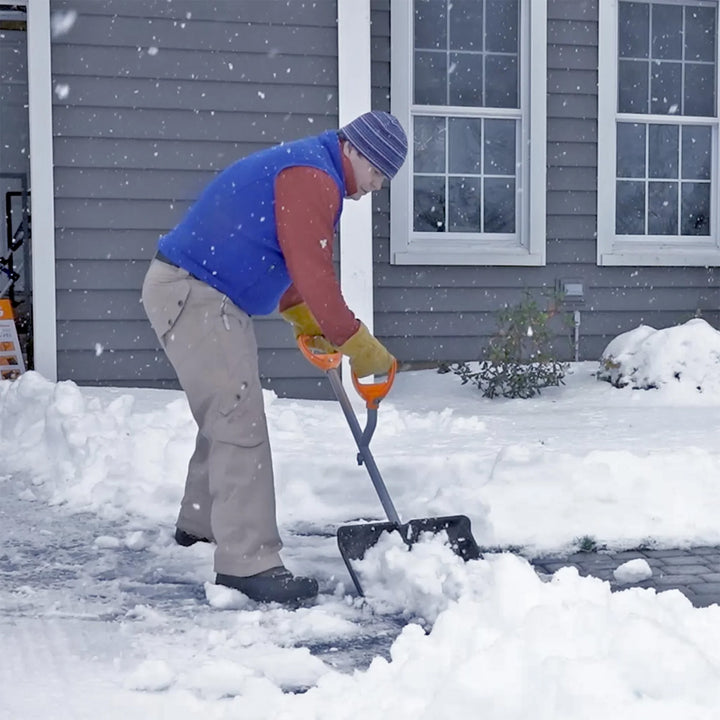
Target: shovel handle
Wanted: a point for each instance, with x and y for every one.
(371, 393)
(321, 360)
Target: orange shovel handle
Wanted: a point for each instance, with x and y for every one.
(321, 360)
(371, 393)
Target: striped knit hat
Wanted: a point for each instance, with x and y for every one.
(380, 138)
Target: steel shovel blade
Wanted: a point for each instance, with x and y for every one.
(355, 540)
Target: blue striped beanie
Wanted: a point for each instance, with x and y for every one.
(380, 138)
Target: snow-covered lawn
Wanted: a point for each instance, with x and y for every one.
(101, 614)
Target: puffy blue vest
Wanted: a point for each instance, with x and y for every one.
(228, 238)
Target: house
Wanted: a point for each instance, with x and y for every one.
(567, 144)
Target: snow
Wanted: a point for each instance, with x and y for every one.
(633, 571)
(102, 614)
(61, 22)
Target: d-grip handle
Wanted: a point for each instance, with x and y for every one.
(371, 393)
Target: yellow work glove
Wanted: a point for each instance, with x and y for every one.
(303, 323)
(367, 355)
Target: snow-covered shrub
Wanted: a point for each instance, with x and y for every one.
(646, 358)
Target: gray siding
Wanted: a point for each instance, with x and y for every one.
(161, 96)
(431, 313)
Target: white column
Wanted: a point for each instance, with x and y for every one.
(42, 188)
(356, 268)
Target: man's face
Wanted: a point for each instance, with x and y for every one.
(367, 176)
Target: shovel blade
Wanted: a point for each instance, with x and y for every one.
(355, 540)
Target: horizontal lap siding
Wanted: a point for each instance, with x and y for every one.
(151, 100)
(435, 313)
(617, 299)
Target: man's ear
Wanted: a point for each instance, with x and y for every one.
(347, 148)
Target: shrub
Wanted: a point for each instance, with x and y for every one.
(519, 361)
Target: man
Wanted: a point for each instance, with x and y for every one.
(259, 238)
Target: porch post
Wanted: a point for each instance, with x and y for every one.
(356, 251)
(42, 202)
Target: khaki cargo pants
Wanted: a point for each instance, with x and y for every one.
(229, 492)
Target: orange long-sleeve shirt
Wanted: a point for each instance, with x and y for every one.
(306, 204)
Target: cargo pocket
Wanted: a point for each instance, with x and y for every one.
(241, 416)
(164, 303)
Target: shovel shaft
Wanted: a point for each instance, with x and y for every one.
(362, 439)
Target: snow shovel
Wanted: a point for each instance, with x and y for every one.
(355, 540)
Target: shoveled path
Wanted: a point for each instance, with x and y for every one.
(693, 571)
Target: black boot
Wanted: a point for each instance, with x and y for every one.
(275, 585)
(186, 539)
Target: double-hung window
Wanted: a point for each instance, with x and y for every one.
(658, 133)
(469, 85)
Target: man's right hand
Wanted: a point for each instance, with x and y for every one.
(367, 355)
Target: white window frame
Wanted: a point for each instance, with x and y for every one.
(650, 250)
(527, 246)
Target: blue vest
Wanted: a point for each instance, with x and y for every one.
(228, 238)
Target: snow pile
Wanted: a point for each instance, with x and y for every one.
(646, 358)
(96, 453)
(418, 583)
(513, 647)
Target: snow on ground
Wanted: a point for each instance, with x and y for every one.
(101, 613)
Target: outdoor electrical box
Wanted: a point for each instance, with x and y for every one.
(572, 291)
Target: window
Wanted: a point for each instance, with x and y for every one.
(468, 84)
(658, 133)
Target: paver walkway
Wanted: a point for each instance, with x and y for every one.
(693, 571)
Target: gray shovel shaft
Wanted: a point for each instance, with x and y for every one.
(363, 445)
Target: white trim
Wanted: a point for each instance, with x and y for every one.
(41, 185)
(607, 90)
(649, 250)
(407, 248)
(356, 251)
(537, 144)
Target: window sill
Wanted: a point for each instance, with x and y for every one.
(662, 257)
(468, 257)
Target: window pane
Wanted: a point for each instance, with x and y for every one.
(663, 150)
(464, 205)
(500, 147)
(662, 208)
(700, 33)
(429, 204)
(465, 145)
(631, 150)
(695, 209)
(466, 25)
(430, 78)
(499, 206)
(696, 152)
(633, 86)
(429, 144)
(430, 24)
(634, 30)
(630, 208)
(699, 90)
(502, 26)
(466, 79)
(665, 88)
(501, 82)
(666, 30)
